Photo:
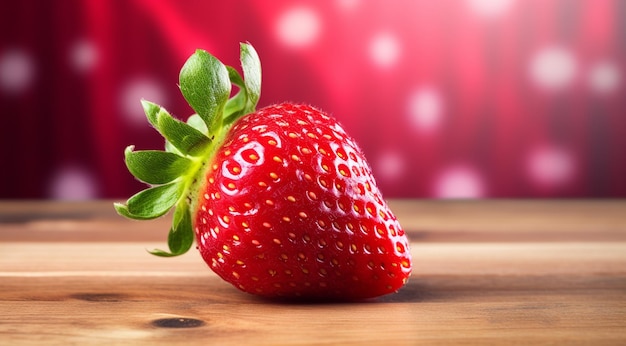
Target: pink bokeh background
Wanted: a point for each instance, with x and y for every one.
(448, 99)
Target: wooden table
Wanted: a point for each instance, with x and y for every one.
(485, 272)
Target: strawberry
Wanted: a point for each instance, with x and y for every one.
(280, 201)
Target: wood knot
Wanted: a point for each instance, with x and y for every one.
(178, 322)
(99, 297)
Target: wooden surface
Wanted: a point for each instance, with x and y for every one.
(485, 272)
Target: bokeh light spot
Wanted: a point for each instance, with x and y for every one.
(348, 4)
(17, 71)
(390, 165)
(550, 166)
(460, 181)
(553, 68)
(83, 55)
(490, 8)
(425, 109)
(384, 50)
(73, 183)
(604, 77)
(132, 94)
(298, 27)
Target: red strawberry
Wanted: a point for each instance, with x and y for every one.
(282, 200)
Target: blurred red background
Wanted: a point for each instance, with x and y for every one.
(448, 99)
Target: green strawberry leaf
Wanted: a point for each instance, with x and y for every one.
(185, 138)
(172, 149)
(236, 106)
(152, 202)
(181, 135)
(122, 209)
(151, 110)
(154, 166)
(197, 123)
(194, 121)
(181, 236)
(205, 85)
(251, 65)
(235, 77)
(246, 99)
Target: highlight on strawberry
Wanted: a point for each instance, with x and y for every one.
(280, 201)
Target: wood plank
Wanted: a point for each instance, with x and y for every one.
(445, 309)
(484, 273)
(431, 258)
(424, 221)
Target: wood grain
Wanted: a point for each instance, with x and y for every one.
(485, 272)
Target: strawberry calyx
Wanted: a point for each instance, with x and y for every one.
(173, 174)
